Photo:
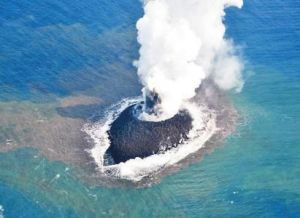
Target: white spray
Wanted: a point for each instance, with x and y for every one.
(182, 43)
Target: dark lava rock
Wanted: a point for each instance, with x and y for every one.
(131, 137)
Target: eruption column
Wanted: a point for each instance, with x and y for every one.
(182, 43)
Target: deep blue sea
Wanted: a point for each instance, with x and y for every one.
(53, 49)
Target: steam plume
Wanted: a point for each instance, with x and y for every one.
(182, 43)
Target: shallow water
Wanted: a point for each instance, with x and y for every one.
(53, 50)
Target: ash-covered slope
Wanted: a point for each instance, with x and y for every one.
(131, 137)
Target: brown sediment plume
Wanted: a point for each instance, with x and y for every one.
(40, 126)
(60, 138)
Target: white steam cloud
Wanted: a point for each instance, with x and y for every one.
(182, 43)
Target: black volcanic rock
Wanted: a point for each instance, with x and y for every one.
(131, 137)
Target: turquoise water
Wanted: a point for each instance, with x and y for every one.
(51, 50)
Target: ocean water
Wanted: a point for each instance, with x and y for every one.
(51, 50)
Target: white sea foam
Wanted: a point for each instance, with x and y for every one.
(204, 126)
(1, 211)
